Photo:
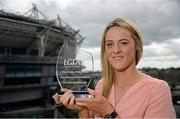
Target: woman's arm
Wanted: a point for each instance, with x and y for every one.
(84, 113)
(160, 103)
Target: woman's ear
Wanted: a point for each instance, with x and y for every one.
(137, 48)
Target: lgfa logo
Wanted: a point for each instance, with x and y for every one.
(72, 62)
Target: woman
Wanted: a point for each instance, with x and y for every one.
(123, 92)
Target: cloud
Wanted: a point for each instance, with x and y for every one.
(1, 4)
(158, 22)
(165, 48)
(161, 23)
(161, 55)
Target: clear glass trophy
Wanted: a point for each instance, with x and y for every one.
(74, 69)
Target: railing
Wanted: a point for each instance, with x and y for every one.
(27, 59)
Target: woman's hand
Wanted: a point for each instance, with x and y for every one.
(98, 104)
(68, 100)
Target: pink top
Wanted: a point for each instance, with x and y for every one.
(148, 98)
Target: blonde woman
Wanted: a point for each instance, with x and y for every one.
(123, 92)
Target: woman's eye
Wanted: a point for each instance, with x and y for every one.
(109, 44)
(124, 43)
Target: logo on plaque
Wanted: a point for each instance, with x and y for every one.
(74, 69)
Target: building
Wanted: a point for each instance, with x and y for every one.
(29, 44)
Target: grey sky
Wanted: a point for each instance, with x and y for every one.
(157, 20)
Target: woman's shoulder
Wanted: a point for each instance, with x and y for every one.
(159, 102)
(154, 83)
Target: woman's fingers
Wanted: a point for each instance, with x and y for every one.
(83, 100)
(71, 102)
(62, 98)
(92, 92)
(67, 99)
(81, 104)
(57, 98)
(65, 90)
(65, 95)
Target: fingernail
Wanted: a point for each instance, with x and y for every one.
(54, 95)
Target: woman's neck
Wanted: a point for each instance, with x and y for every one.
(127, 77)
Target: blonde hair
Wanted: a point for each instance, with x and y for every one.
(107, 69)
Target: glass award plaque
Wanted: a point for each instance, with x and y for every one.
(74, 69)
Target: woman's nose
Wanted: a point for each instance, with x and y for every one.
(116, 49)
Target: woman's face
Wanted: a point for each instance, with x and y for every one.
(119, 48)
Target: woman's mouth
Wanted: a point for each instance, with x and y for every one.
(118, 57)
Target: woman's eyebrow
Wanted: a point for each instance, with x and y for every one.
(108, 41)
(124, 39)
